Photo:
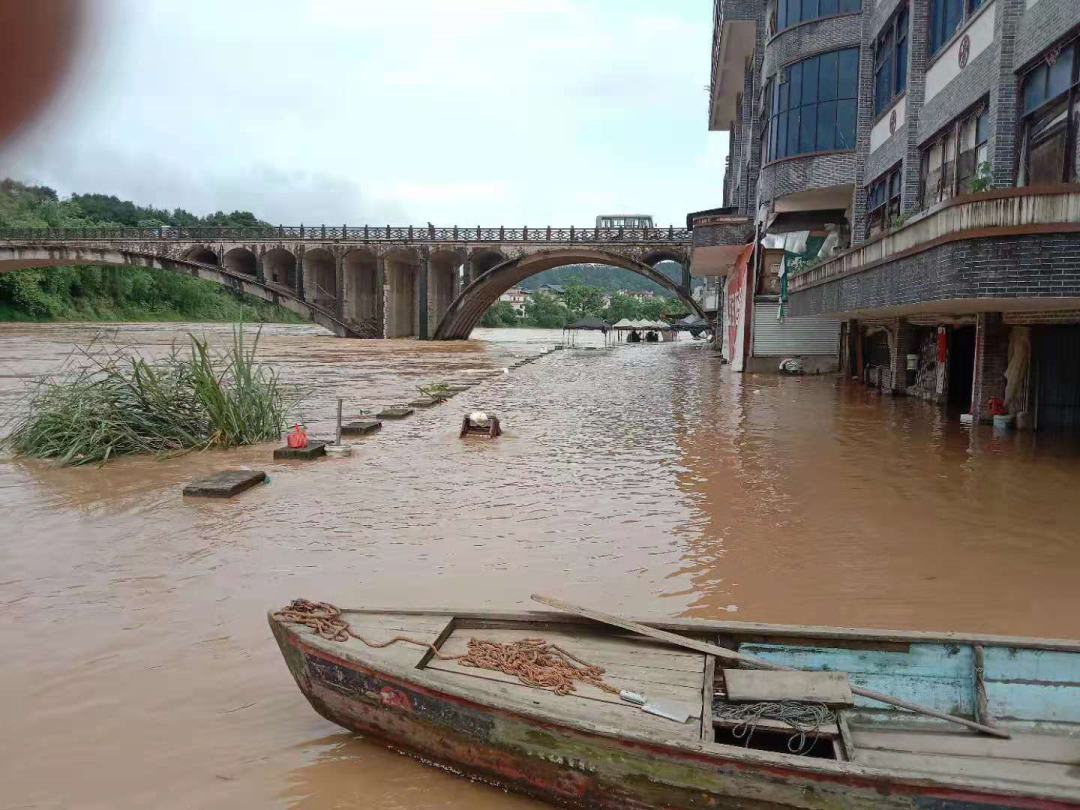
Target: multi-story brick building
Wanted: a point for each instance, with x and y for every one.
(933, 144)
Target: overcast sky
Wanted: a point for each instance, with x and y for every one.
(467, 112)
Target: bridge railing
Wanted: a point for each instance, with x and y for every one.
(366, 233)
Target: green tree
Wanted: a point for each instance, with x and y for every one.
(501, 313)
(546, 311)
(653, 309)
(623, 306)
(582, 300)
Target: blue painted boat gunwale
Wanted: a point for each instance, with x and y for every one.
(1032, 688)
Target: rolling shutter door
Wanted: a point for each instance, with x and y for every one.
(792, 336)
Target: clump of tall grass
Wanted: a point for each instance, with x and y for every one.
(109, 401)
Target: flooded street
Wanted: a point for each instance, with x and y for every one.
(138, 667)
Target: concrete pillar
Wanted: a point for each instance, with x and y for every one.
(991, 360)
(902, 344)
(380, 296)
(864, 119)
(260, 271)
(916, 97)
(422, 303)
(1004, 112)
(339, 285)
(299, 270)
(847, 348)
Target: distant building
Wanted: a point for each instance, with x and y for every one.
(555, 289)
(624, 221)
(516, 297)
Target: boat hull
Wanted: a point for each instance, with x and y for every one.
(570, 767)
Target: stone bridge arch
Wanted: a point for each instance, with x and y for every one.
(14, 256)
(465, 312)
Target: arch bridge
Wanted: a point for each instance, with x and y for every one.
(374, 282)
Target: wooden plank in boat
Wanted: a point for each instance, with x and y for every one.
(1033, 747)
(708, 686)
(1004, 772)
(683, 694)
(592, 648)
(587, 712)
(755, 685)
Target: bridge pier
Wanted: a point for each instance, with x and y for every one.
(403, 276)
(380, 296)
(339, 285)
(361, 291)
(422, 303)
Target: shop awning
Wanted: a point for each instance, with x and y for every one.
(789, 221)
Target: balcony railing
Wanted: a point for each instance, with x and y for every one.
(345, 233)
(997, 213)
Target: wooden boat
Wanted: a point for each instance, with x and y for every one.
(591, 749)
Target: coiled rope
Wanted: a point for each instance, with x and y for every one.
(805, 719)
(532, 661)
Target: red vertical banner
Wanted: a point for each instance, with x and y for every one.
(736, 295)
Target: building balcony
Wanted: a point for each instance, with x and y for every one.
(1011, 249)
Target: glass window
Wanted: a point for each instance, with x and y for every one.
(1034, 88)
(900, 82)
(845, 124)
(945, 18)
(883, 59)
(814, 105)
(890, 60)
(1060, 73)
(1050, 79)
(793, 12)
(1048, 149)
(883, 200)
(826, 72)
(848, 70)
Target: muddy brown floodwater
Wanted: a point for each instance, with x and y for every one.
(138, 670)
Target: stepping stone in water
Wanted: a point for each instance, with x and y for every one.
(423, 402)
(314, 449)
(360, 427)
(224, 484)
(394, 413)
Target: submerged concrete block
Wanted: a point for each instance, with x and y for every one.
(314, 449)
(423, 402)
(224, 484)
(360, 427)
(394, 413)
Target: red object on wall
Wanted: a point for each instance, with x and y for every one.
(942, 344)
(298, 438)
(995, 407)
(736, 309)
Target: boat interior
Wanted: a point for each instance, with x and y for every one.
(1032, 691)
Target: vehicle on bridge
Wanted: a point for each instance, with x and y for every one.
(624, 221)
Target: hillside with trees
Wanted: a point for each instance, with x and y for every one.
(604, 277)
(91, 293)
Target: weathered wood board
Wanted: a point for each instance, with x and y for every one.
(314, 449)
(756, 685)
(394, 413)
(361, 427)
(224, 484)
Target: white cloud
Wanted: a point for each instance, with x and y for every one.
(481, 111)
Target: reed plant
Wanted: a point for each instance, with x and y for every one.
(108, 401)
